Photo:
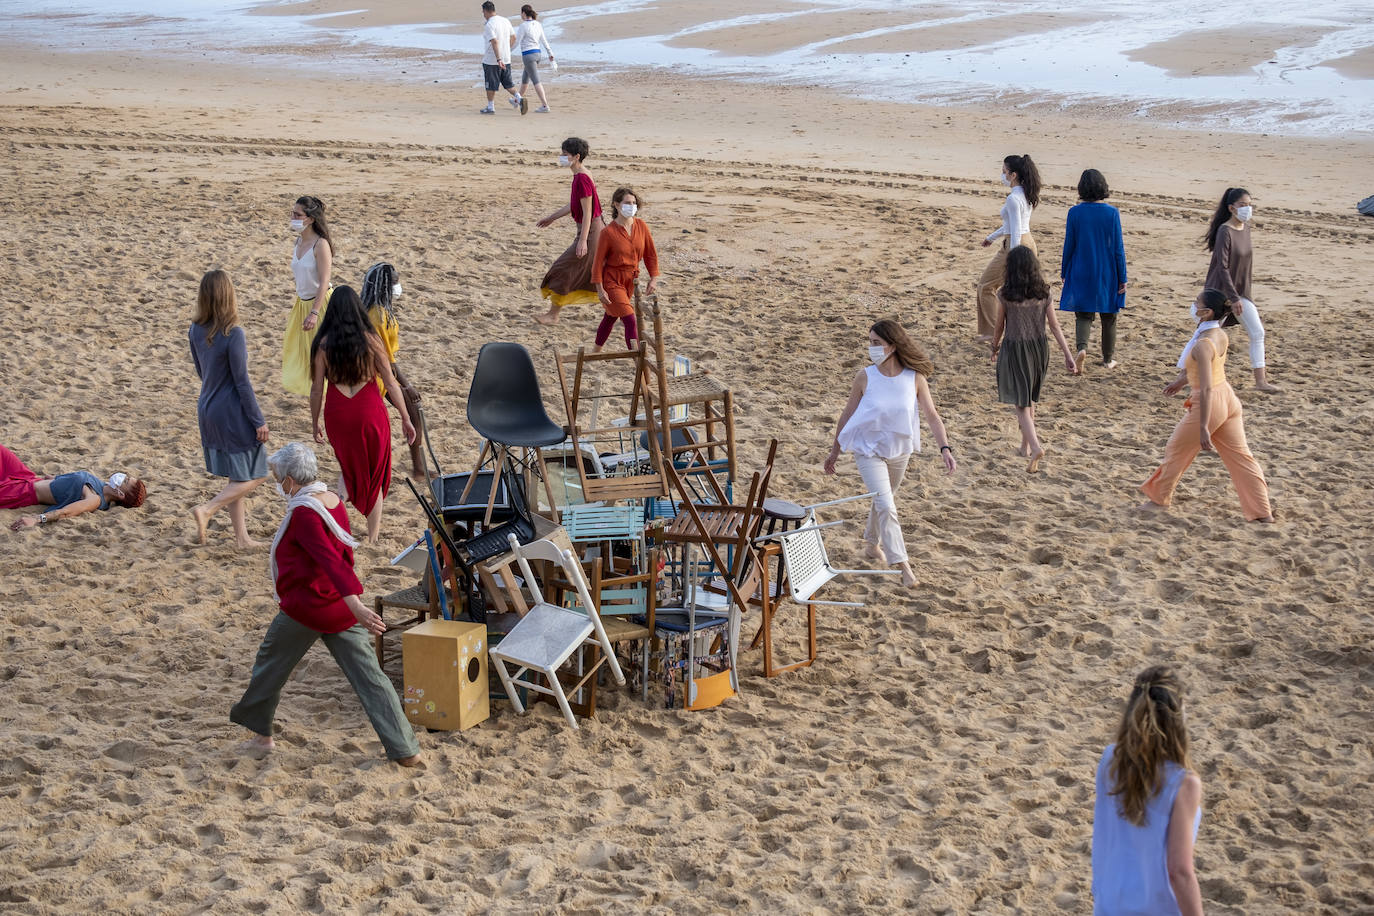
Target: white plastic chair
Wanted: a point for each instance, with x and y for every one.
(548, 635)
(806, 561)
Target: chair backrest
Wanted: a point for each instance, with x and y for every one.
(808, 566)
(504, 402)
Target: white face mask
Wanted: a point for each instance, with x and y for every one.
(877, 354)
(1243, 213)
(564, 161)
(117, 480)
(1005, 180)
(280, 490)
(298, 225)
(1193, 308)
(628, 210)
(396, 291)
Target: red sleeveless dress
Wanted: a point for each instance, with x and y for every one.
(359, 429)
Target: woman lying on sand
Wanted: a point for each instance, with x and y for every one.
(69, 494)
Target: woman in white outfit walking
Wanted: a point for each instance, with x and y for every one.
(530, 41)
(881, 426)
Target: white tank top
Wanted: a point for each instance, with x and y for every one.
(307, 273)
(886, 424)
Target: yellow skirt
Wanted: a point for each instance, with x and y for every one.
(296, 373)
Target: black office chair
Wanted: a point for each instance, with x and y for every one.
(506, 409)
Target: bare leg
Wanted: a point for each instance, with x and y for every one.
(1262, 384)
(875, 552)
(908, 577)
(1080, 361)
(539, 90)
(374, 522)
(234, 491)
(1025, 417)
(551, 316)
(238, 513)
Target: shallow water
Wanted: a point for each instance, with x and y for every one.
(1084, 61)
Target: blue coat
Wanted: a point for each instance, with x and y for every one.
(1094, 263)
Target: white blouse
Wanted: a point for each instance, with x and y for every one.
(1016, 214)
(886, 424)
(530, 37)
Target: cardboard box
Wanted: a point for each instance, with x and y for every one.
(445, 664)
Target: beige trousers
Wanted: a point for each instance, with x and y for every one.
(991, 281)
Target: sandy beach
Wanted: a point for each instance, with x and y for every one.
(939, 756)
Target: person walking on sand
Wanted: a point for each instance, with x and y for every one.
(1228, 238)
(569, 280)
(881, 426)
(1148, 807)
(313, 581)
(311, 260)
(1093, 268)
(381, 289)
(532, 44)
(1020, 347)
(349, 359)
(232, 427)
(615, 268)
(1021, 175)
(1213, 421)
(496, 43)
(66, 495)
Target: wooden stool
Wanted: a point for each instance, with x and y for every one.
(780, 515)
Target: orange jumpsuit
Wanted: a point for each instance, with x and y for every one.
(1228, 438)
(616, 265)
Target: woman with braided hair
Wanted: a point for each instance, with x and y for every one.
(1149, 805)
(311, 259)
(381, 289)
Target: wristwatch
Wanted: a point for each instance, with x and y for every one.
(42, 518)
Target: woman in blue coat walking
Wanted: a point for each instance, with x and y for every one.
(1093, 267)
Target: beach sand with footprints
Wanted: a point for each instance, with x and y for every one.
(938, 757)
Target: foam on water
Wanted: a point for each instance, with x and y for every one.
(1078, 63)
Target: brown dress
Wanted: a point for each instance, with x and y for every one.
(569, 280)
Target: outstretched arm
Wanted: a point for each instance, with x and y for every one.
(89, 502)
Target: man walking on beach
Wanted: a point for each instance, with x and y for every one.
(496, 42)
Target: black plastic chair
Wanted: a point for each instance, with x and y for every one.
(506, 409)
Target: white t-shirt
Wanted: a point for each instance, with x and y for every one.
(530, 37)
(499, 28)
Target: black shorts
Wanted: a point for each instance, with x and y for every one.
(497, 77)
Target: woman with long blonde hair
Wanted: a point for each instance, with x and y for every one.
(232, 427)
(1149, 805)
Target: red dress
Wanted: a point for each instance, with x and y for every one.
(359, 429)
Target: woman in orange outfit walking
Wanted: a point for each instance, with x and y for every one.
(1213, 421)
(623, 244)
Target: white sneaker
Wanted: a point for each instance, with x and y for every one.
(515, 102)
(542, 109)
(487, 110)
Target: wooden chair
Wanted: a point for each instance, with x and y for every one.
(548, 635)
(426, 598)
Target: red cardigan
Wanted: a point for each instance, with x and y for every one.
(315, 572)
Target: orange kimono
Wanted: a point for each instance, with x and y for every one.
(616, 264)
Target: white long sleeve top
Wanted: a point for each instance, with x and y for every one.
(530, 37)
(1016, 214)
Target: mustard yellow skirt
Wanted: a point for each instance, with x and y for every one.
(295, 356)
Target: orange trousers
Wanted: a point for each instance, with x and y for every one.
(1228, 438)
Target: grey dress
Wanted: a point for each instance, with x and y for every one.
(1024, 357)
(228, 410)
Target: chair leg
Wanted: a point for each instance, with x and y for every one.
(511, 693)
(557, 687)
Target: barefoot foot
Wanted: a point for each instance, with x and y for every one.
(1109, 364)
(1149, 507)
(908, 577)
(1079, 361)
(245, 543)
(1267, 387)
(1024, 450)
(1035, 459)
(547, 318)
(258, 746)
(202, 517)
(874, 552)
(412, 761)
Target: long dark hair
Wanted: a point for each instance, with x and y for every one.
(314, 208)
(1222, 215)
(908, 352)
(1215, 300)
(345, 336)
(378, 284)
(1025, 282)
(1027, 174)
(1151, 734)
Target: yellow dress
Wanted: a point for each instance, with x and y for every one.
(296, 371)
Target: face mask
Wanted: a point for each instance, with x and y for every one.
(1005, 180)
(628, 210)
(877, 354)
(298, 225)
(280, 491)
(1193, 308)
(564, 161)
(1243, 213)
(396, 291)
(117, 480)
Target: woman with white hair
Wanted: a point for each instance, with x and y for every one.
(314, 582)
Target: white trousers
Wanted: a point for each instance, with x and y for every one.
(1254, 329)
(882, 477)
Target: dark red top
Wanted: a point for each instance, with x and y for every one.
(583, 186)
(315, 572)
